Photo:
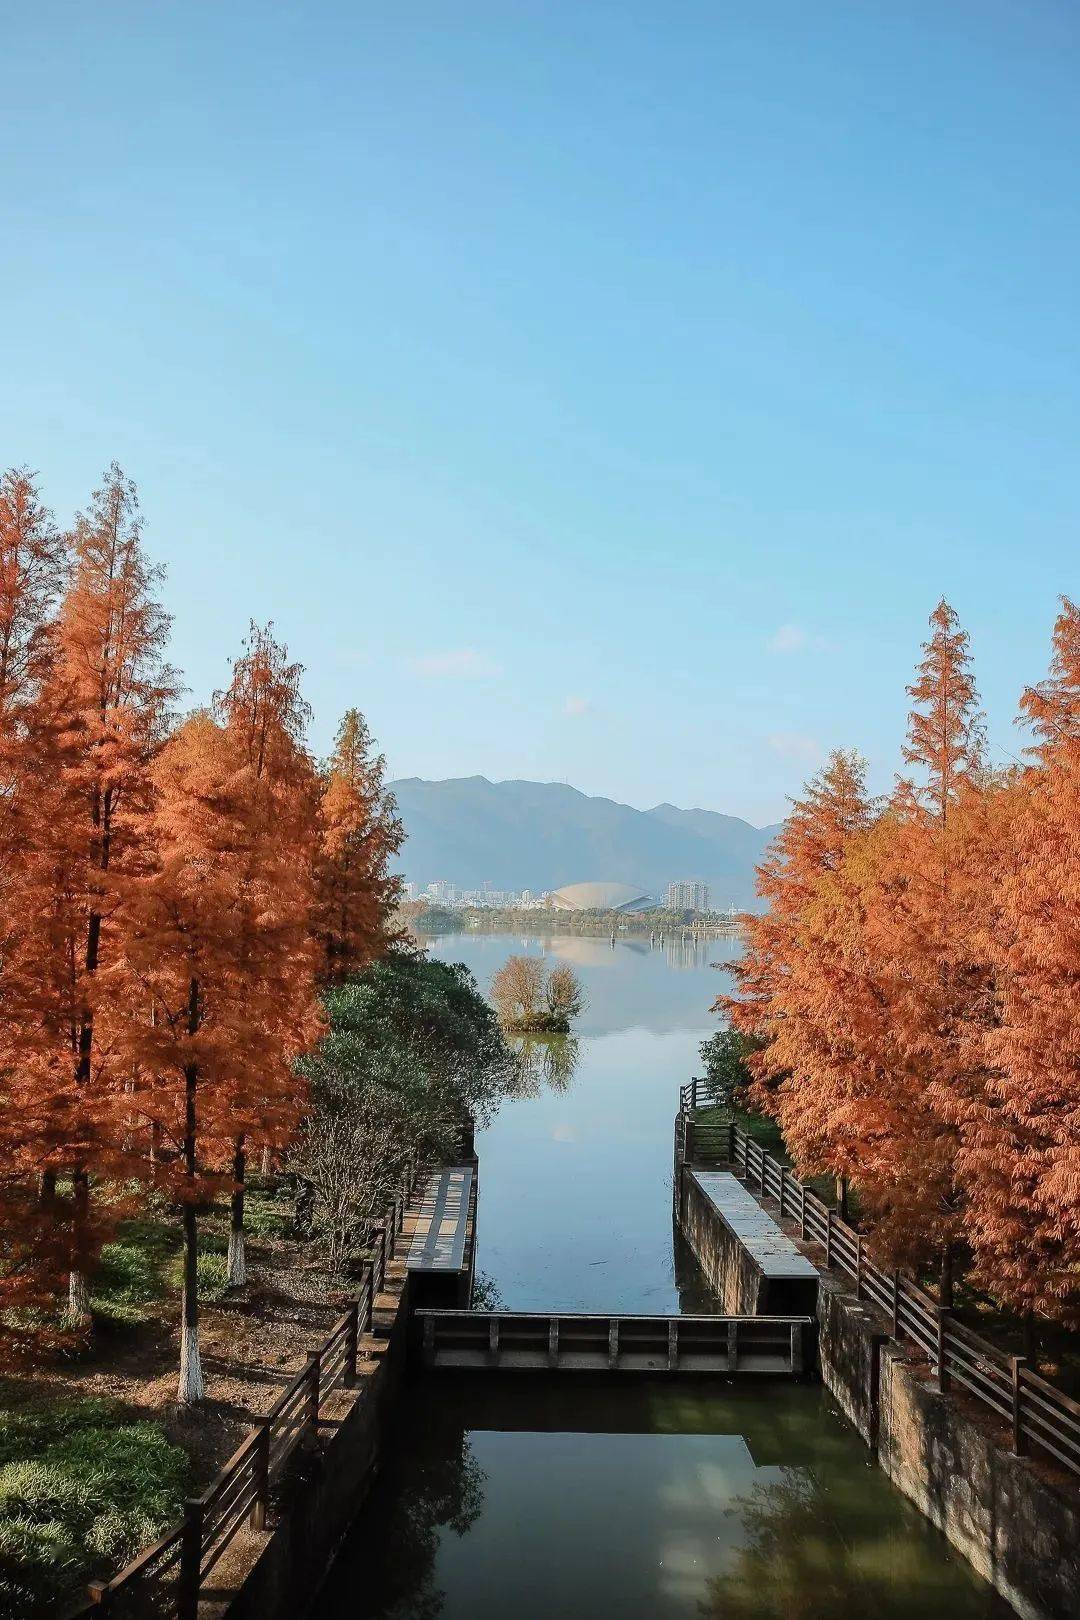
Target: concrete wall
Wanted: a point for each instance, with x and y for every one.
(1008, 1515)
(1019, 1528)
(729, 1270)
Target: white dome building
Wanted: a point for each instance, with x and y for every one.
(600, 897)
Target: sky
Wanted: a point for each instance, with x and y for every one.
(589, 392)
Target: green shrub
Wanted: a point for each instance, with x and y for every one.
(213, 1271)
(80, 1492)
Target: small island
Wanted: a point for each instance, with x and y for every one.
(530, 999)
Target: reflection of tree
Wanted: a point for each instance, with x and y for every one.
(546, 1060)
(795, 1563)
(444, 1491)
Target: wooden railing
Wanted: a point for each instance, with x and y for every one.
(166, 1579)
(1039, 1415)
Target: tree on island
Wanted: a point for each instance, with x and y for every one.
(531, 1000)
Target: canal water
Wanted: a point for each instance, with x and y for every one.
(659, 1499)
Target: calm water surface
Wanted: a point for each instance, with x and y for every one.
(566, 1499)
(575, 1182)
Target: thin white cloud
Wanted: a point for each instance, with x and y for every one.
(792, 638)
(794, 745)
(576, 706)
(462, 664)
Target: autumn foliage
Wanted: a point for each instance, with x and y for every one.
(913, 986)
(172, 892)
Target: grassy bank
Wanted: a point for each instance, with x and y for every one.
(83, 1486)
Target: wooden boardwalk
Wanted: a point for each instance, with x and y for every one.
(441, 1223)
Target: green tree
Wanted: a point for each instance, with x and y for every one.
(724, 1056)
(413, 1049)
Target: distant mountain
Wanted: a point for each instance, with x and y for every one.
(542, 835)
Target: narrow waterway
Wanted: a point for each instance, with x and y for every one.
(575, 1179)
(566, 1499)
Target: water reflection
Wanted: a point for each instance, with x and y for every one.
(575, 1173)
(707, 1501)
(546, 1061)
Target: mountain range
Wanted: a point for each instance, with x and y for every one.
(542, 835)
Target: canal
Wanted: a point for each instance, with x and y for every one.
(572, 1500)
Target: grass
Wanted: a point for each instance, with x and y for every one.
(81, 1491)
(267, 1215)
(144, 1265)
(135, 1271)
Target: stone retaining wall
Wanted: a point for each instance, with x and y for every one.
(1008, 1515)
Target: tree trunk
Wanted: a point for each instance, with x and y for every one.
(945, 1287)
(266, 1164)
(191, 1387)
(237, 1271)
(842, 1197)
(78, 1308)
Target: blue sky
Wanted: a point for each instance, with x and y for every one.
(591, 392)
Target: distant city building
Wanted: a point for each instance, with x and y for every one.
(441, 891)
(599, 897)
(410, 891)
(688, 894)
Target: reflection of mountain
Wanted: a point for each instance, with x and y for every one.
(543, 835)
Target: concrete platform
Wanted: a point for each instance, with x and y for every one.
(753, 1265)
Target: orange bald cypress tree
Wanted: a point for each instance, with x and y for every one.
(1020, 1142)
(922, 922)
(109, 694)
(217, 942)
(359, 833)
(266, 716)
(788, 988)
(32, 556)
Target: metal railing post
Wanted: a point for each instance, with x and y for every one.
(1016, 1363)
(187, 1597)
(693, 1092)
(731, 1140)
